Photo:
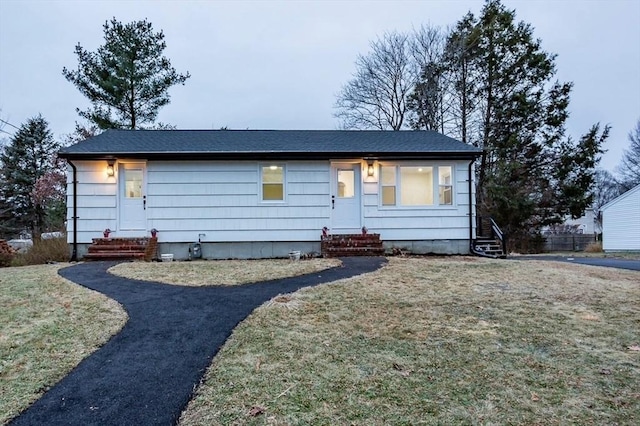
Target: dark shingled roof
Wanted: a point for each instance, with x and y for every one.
(268, 144)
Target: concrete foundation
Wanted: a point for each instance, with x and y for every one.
(429, 246)
(242, 250)
(281, 249)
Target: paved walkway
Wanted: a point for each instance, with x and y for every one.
(146, 374)
(633, 265)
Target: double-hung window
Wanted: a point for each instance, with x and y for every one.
(272, 181)
(416, 185)
(445, 186)
(388, 185)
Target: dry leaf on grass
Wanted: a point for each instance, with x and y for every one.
(256, 411)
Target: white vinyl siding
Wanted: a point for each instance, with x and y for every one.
(97, 206)
(621, 222)
(223, 200)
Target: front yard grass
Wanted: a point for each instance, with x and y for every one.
(436, 341)
(47, 326)
(220, 272)
(628, 255)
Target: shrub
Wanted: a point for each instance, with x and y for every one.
(6, 259)
(595, 247)
(44, 251)
(6, 253)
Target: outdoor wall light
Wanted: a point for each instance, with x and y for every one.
(110, 170)
(370, 170)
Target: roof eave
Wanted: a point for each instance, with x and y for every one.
(169, 156)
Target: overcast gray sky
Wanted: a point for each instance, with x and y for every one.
(279, 64)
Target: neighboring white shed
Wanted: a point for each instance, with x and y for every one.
(621, 222)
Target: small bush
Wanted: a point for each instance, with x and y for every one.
(526, 243)
(595, 247)
(44, 251)
(7, 253)
(6, 259)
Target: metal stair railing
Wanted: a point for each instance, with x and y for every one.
(495, 233)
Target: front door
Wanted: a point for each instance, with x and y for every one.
(132, 197)
(345, 197)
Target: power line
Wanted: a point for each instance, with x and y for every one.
(6, 122)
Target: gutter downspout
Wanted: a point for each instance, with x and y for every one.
(471, 249)
(74, 251)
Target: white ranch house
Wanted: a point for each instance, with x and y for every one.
(621, 222)
(261, 194)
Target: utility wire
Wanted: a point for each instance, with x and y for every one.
(6, 122)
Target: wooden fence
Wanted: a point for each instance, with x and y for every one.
(568, 242)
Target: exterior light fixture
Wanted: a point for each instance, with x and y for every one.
(110, 170)
(370, 170)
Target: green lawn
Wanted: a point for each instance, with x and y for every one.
(456, 340)
(48, 325)
(436, 341)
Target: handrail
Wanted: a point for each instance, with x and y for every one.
(496, 229)
(499, 235)
(496, 233)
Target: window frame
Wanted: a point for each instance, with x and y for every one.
(261, 183)
(450, 185)
(435, 182)
(382, 186)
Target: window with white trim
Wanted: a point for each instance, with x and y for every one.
(272, 182)
(416, 185)
(388, 185)
(445, 186)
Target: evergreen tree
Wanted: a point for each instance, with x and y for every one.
(29, 156)
(127, 80)
(531, 174)
(492, 85)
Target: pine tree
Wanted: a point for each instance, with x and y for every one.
(531, 174)
(127, 80)
(29, 156)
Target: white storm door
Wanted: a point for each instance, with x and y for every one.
(132, 197)
(345, 197)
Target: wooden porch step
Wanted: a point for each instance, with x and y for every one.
(488, 247)
(340, 245)
(119, 241)
(122, 248)
(114, 255)
(117, 247)
(353, 251)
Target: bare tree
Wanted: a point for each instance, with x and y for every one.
(376, 97)
(629, 168)
(428, 102)
(605, 189)
(463, 79)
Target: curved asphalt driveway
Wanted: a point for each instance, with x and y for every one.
(633, 265)
(146, 374)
